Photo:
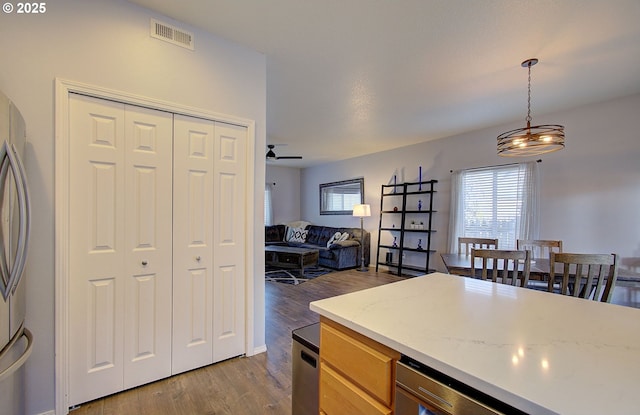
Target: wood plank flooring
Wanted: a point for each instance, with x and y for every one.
(258, 384)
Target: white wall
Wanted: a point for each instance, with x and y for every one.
(590, 191)
(106, 43)
(286, 193)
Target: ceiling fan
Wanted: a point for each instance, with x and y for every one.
(272, 156)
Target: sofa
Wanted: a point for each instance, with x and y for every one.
(340, 254)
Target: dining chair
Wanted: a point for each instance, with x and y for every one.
(507, 266)
(540, 248)
(481, 243)
(590, 276)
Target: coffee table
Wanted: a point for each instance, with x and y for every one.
(290, 257)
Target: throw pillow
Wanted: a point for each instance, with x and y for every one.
(335, 238)
(344, 237)
(298, 235)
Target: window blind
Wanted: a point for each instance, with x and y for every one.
(495, 202)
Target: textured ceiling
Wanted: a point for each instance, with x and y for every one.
(352, 77)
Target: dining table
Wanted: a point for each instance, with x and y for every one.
(460, 264)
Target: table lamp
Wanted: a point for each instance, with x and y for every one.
(362, 211)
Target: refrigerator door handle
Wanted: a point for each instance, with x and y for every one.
(24, 203)
(11, 277)
(23, 357)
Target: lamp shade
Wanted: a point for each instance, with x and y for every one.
(361, 211)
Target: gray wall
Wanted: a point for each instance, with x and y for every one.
(590, 191)
(286, 193)
(106, 43)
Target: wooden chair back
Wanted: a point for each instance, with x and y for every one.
(480, 243)
(507, 266)
(590, 276)
(540, 248)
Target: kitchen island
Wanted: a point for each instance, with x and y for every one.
(539, 352)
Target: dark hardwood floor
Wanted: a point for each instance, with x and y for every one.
(258, 384)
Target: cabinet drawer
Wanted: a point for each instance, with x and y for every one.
(339, 396)
(365, 362)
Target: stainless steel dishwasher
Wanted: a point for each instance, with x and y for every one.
(305, 361)
(421, 390)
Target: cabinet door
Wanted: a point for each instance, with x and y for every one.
(341, 396)
(193, 243)
(369, 364)
(120, 203)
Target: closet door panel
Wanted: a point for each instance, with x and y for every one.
(229, 232)
(148, 230)
(97, 247)
(193, 236)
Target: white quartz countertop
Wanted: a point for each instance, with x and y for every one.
(539, 352)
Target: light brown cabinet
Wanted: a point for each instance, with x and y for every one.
(357, 374)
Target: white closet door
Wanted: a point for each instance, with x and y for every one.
(148, 233)
(97, 248)
(193, 250)
(230, 212)
(120, 210)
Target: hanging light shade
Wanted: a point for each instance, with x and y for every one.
(531, 141)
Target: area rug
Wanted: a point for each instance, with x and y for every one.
(292, 276)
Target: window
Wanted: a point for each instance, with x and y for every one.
(495, 202)
(268, 207)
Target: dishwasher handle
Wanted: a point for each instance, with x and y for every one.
(312, 361)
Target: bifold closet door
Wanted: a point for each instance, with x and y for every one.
(120, 247)
(193, 243)
(209, 242)
(229, 230)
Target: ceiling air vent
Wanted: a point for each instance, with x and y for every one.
(171, 34)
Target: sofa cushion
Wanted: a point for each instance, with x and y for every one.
(314, 234)
(325, 235)
(344, 244)
(274, 233)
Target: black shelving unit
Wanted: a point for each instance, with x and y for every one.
(402, 194)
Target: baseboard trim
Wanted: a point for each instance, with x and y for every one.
(259, 349)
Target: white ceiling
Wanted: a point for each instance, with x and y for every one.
(353, 77)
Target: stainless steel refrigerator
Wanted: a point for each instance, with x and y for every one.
(15, 340)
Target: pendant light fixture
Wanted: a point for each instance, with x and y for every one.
(531, 141)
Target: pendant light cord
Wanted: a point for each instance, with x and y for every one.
(528, 119)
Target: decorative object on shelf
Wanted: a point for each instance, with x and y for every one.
(419, 244)
(419, 178)
(389, 257)
(395, 208)
(419, 204)
(362, 211)
(395, 242)
(531, 141)
(394, 183)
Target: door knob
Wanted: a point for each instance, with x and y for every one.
(144, 263)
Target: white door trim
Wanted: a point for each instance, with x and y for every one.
(62, 90)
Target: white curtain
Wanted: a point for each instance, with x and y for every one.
(456, 213)
(520, 203)
(528, 224)
(268, 204)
